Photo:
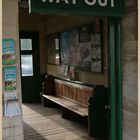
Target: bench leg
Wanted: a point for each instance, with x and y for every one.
(67, 114)
(44, 102)
(48, 103)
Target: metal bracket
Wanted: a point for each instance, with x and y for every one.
(108, 107)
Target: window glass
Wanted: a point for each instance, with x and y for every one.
(26, 44)
(27, 65)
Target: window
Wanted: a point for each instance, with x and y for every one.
(26, 57)
(26, 44)
(27, 65)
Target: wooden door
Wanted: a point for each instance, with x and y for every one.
(30, 71)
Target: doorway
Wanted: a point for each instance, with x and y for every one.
(30, 71)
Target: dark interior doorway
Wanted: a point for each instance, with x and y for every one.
(30, 71)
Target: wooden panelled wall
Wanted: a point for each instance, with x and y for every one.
(35, 22)
(130, 63)
(50, 24)
(74, 92)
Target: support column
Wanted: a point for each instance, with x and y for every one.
(115, 78)
(118, 80)
(112, 78)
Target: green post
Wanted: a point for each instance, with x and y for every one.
(115, 78)
(112, 78)
(118, 80)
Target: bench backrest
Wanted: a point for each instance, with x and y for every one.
(73, 91)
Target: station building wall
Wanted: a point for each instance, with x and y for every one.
(11, 27)
(130, 71)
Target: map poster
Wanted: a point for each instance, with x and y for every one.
(8, 52)
(10, 78)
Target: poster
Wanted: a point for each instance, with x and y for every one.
(96, 65)
(65, 48)
(96, 53)
(8, 52)
(70, 51)
(85, 48)
(74, 47)
(10, 78)
(53, 52)
(85, 43)
(65, 69)
(85, 51)
(82, 47)
(96, 48)
(72, 73)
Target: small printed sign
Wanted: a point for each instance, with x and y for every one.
(10, 78)
(8, 52)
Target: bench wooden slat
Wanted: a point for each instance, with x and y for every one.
(73, 92)
(77, 108)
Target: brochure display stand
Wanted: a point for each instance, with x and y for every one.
(11, 103)
(11, 107)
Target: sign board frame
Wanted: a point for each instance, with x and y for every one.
(110, 8)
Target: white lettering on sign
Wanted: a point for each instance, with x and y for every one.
(112, 3)
(102, 3)
(74, 1)
(90, 2)
(50, 1)
(66, 1)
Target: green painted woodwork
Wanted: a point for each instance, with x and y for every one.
(31, 84)
(112, 78)
(118, 80)
(113, 8)
(115, 78)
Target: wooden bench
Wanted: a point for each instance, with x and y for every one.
(70, 95)
(88, 101)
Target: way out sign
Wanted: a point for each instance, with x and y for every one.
(113, 8)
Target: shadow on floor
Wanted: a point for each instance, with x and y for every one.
(76, 126)
(31, 134)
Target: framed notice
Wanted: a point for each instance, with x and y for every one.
(8, 52)
(10, 78)
(80, 47)
(85, 48)
(96, 49)
(53, 52)
(69, 44)
(65, 48)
